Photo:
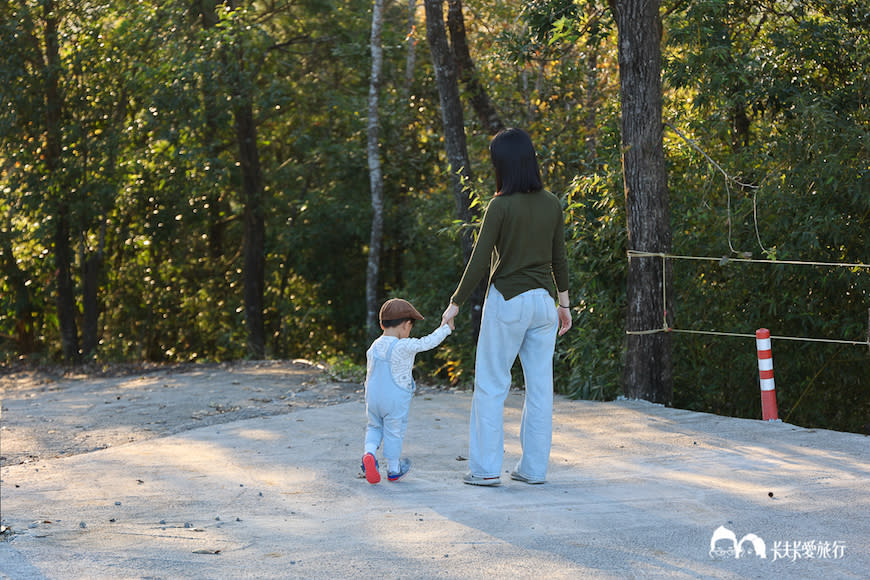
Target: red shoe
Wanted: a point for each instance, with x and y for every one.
(370, 467)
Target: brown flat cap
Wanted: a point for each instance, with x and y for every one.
(396, 309)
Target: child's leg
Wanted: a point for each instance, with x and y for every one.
(374, 435)
(374, 428)
(394, 426)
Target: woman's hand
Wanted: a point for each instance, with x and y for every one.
(449, 314)
(565, 321)
(564, 311)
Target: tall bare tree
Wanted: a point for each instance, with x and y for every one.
(455, 143)
(254, 251)
(63, 253)
(647, 374)
(466, 72)
(376, 181)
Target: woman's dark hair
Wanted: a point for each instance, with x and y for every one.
(516, 165)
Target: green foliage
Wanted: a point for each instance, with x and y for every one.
(590, 354)
(774, 93)
(342, 369)
(777, 98)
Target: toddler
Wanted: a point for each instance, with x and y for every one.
(390, 385)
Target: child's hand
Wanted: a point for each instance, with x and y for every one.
(449, 322)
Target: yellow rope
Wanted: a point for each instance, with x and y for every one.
(742, 335)
(726, 259)
(667, 328)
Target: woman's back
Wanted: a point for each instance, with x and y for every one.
(529, 241)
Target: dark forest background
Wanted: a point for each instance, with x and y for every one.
(144, 147)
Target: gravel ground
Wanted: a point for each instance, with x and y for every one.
(52, 413)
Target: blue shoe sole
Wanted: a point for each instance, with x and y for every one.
(406, 467)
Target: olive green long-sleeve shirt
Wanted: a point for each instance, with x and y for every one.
(522, 246)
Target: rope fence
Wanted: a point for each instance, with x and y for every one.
(722, 261)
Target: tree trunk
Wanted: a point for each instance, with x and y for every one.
(466, 72)
(375, 177)
(92, 259)
(91, 268)
(647, 373)
(454, 137)
(255, 227)
(65, 298)
(25, 332)
(90, 304)
(254, 245)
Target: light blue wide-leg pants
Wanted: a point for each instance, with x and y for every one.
(524, 326)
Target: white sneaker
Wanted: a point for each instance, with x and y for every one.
(531, 481)
(472, 479)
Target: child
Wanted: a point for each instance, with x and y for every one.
(390, 386)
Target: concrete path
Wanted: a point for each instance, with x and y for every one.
(635, 491)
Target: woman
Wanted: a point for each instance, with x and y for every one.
(521, 246)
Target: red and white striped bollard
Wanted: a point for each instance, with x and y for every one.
(765, 375)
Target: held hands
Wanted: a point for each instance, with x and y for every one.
(449, 314)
